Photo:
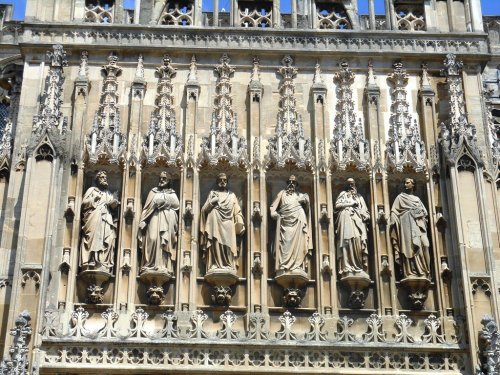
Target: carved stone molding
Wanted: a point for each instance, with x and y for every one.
(284, 41)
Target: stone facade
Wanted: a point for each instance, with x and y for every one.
(313, 191)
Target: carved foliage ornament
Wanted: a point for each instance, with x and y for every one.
(106, 141)
(457, 136)
(17, 361)
(348, 145)
(289, 145)
(405, 147)
(49, 125)
(490, 340)
(163, 142)
(224, 142)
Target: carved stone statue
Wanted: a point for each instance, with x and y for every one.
(158, 228)
(351, 220)
(221, 222)
(408, 230)
(98, 243)
(293, 241)
(352, 216)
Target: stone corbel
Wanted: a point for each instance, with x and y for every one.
(445, 269)
(188, 214)
(69, 214)
(326, 267)
(256, 214)
(386, 268)
(129, 211)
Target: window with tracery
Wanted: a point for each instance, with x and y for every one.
(4, 114)
(178, 13)
(332, 16)
(99, 11)
(255, 14)
(410, 16)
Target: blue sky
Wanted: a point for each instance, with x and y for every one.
(490, 7)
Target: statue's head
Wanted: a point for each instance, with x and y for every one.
(164, 180)
(222, 180)
(409, 184)
(291, 183)
(351, 184)
(101, 179)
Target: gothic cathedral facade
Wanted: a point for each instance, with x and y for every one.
(257, 188)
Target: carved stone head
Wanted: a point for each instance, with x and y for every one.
(101, 180)
(291, 183)
(164, 181)
(222, 181)
(409, 185)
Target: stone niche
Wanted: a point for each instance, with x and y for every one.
(424, 292)
(166, 292)
(350, 296)
(99, 288)
(301, 293)
(209, 295)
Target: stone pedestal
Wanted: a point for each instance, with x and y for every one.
(357, 283)
(293, 284)
(96, 282)
(221, 281)
(417, 290)
(154, 280)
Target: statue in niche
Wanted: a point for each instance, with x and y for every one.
(158, 228)
(293, 241)
(409, 233)
(220, 223)
(99, 230)
(352, 216)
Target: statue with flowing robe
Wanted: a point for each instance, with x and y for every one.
(408, 230)
(220, 223)
(158, 228)
(351, 220)
(293, 241)
(99, 230)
